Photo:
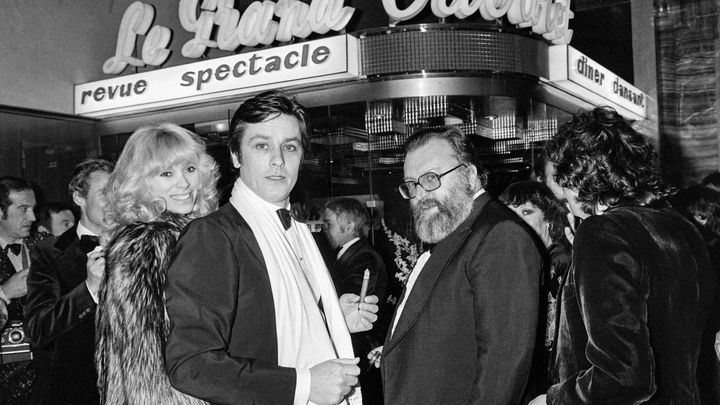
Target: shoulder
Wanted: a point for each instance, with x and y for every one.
(227, 219)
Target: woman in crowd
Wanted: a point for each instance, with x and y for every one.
(162, 180)
(536, 205)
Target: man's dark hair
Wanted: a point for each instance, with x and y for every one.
(267, 105)
(81, 174)
(44, 216)
(350, 210)
(462, 145)
(606, 160)
(10, 184)
(712, 180)
(701, 201)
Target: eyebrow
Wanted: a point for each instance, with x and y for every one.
(267, 137)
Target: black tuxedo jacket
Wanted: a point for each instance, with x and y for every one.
(222, 345)
(347, 273)
(60, 314)
(467, 331)
(16, 379)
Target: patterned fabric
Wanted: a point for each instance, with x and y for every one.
(16, 378)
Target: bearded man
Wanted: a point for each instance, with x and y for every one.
(465, 327)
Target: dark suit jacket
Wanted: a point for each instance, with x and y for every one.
(467, 331)
(60, 314)
(634, 307)
(16, 379)
(222, 345)
(347, 273)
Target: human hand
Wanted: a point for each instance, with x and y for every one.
(16, 286)
(359, 316)
(95, 269)
(332, 380)
(375, 356)
(3, 314)
(539, 400)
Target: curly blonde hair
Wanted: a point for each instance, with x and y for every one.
(149, 150)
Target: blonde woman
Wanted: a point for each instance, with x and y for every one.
(163, 179)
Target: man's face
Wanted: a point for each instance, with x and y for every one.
(92, 206)
(439, 212)
(20, 216)
(575, 206)
(557, 191)
(336, 235)
(271, 152)
(61, 222)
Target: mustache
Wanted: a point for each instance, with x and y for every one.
(428, 202)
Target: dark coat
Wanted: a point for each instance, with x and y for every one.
(222, 345)
(16, 379)
(467, 332)
(60, 315)
(131, 321)
(633, 310)
(347, 275)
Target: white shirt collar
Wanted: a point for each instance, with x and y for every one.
(346, 246)
(82, 230)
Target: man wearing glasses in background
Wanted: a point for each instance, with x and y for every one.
(464, 329)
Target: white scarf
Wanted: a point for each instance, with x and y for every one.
(298, 279)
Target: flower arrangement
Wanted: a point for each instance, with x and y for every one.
(406, 253)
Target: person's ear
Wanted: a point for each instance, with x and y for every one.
(78, 199)
(235, 160)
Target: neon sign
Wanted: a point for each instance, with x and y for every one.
(546, 17)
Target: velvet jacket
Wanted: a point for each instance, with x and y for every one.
(60, 316)
(222, 345)
(468, 329)
(633, 310)
(16, 379)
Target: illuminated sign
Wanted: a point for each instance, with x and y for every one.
(231, 29)
(290, 65)
(570, 69)
(549, 18)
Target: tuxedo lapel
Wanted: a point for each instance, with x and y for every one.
(347, 255)
(431, 274)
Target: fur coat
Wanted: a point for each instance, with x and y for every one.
(132, 324)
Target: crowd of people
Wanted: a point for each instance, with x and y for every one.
(594, 283)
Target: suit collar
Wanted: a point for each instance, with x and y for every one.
(432, 271)
(65, 240)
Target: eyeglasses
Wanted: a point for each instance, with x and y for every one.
(429, 181)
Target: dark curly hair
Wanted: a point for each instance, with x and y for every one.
(539, 195)
(599, 154)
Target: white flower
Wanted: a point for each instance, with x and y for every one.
(406, 253)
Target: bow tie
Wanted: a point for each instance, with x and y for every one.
(285, 217)
(15, 248)
(88, 243)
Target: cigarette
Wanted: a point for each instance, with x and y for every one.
(363, 289)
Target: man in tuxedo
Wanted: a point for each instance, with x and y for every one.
(63, 283)
(17, 214)
(254, 317)
(465, 327)
(346, 228)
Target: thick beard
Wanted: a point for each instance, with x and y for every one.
(454, 208)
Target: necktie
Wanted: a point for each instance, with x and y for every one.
(88, 243)
(285, 217)
(15, 248)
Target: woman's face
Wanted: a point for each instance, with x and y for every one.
(177, 186)
(533, 216)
